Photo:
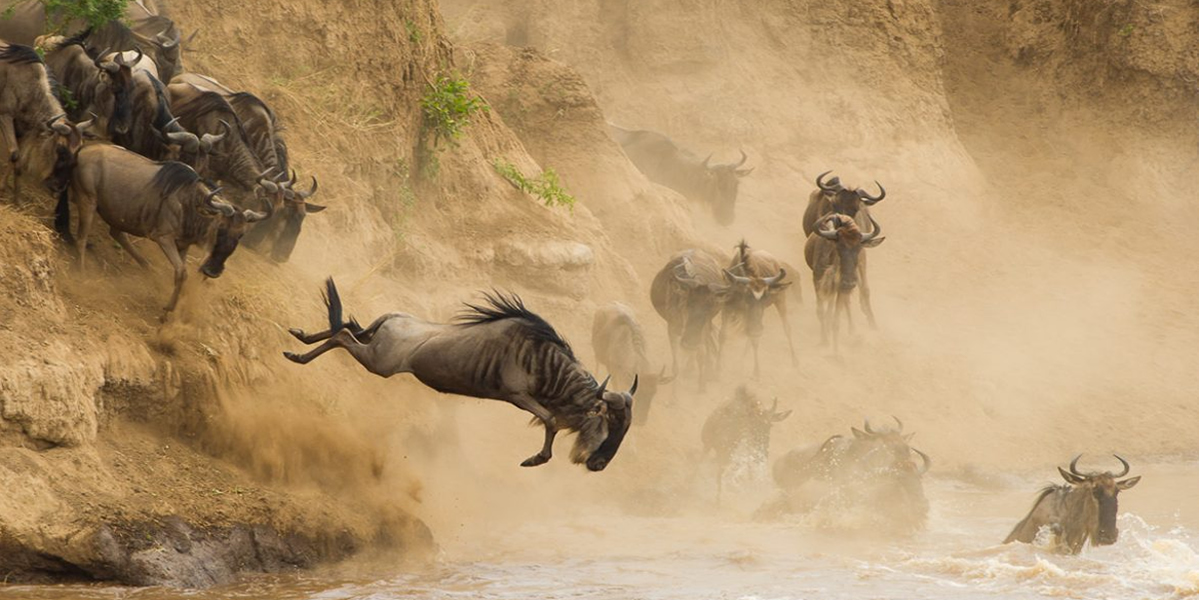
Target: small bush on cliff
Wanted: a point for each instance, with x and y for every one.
(95, 13)
(448, 107)
(546, 187)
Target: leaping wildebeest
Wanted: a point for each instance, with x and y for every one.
(665, 163)
(831, 197)
(758, 281)
(740, 431)
(688, 293)
(1084, 509)
(165, 202)
(499, 351)
(833, 254)
(620, 346)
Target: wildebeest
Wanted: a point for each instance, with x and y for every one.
(665, 163)
(688, 293)
(831, 197)
(740, 431)
(500, 351)
(28, 107)
(141, 26)
(93, 85)
(164, 202)
(871, 473)
(833, 255)
(758, 281)
(264, 137)
(1084, 509)
(620, 346)
(202, 111)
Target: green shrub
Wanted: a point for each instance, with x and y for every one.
(95, 13)
(448, 107)
(546, 187)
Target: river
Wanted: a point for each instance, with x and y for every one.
(724, 554)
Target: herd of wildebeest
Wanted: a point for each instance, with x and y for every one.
(107, 120)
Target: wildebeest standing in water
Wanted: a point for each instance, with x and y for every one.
(1083, 509)
(501, 351)
(833, 255)
(688, 293)
(164, 202)
(740, 431)
(871, 472)
(665, 163)
(831, 197)
(758, 281)
(620, 347)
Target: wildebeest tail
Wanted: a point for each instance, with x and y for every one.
(334, 303)
(62, 217)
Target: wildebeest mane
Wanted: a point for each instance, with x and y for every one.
(501, 306)
(172, 177)
(19, 55)
(206, 102)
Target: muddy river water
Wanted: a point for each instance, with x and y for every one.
(724, 554)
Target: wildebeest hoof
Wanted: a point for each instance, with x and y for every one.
(292, 356)
(297, 333)
(535, 460)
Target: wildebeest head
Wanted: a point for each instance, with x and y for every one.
(752, 293)
(68, 140)
(849, 241)
(295, 207)
(231, 226)
(704, 301)
(742, 423)
(723, 182)
(1103, 489)
(846, 201)
(887, 450)
(604, 427)
(119, 74)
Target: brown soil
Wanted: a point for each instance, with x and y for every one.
(1036, 294)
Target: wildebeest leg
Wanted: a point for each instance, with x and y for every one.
(781, 308)
(178, 262)
(123, 240)
(674, 335)
(363, 335)
(87, 212)
(342, 339)
(864, 291)
(754, 345)
(840, 302)
(533, 406)
(722, 335)
(10, 143)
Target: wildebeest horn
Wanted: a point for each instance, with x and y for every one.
(1123, 463)
(120, 58)
(706, 159)
(267, 184)
(212, 139)
(867, 426)
(1072, 466)
(736, 278)
(743, 161)
(633, 388)
(107, 66)
(255, 216)
(312, 190)
(870, 200)
(82, 125)
(165, 41)
(925, 462)
(600, 390)
(52, 124)
(875, 230)
(821, 184)
(899, 424)
(770, 281)
(829, 234)
(186, 139)
(214, 204)
(193, 36)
